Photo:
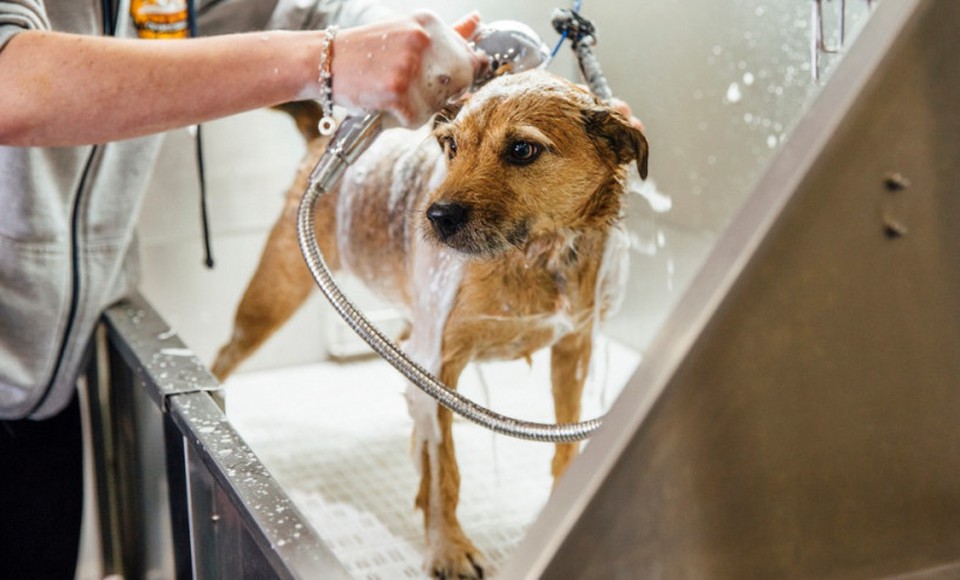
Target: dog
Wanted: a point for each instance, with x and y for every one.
(500, 235)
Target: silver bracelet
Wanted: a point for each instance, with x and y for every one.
(328, 124)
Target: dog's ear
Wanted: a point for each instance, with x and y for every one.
(449, 111)
(612, 132)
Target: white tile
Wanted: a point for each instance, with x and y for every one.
(200, 304)
(249, 162)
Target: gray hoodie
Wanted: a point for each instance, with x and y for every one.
(67, 214)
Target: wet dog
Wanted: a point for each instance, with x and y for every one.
(500, 234)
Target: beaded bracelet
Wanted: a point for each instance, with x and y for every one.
(327, 124)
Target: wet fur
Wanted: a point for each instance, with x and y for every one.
(531, 275)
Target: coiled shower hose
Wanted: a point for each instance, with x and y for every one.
(505, 42)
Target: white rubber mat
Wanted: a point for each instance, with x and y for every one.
(337, 438)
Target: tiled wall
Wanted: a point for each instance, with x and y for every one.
(250, 160)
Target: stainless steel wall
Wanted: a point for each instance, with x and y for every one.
(798, 418)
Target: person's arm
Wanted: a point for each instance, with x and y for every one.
(60, 89)
(64, 89)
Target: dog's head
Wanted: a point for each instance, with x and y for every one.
(529, 154)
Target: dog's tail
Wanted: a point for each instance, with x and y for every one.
(306, 114)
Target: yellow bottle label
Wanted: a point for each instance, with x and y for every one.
(160, 18)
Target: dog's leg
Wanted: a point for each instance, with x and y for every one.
(450, 553)
(569, 363)
(279, 287)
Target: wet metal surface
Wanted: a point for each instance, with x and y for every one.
(241, 521)
(158, 355)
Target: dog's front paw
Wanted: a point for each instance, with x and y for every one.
(454, 558)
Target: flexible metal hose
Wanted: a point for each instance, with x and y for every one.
(504, 42)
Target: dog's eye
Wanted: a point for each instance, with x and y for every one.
(449, 147)
(523, 152)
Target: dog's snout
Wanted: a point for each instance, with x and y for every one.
(448, 217)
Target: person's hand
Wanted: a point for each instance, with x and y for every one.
(407, 68)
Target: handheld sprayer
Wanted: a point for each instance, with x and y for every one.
(508, 44)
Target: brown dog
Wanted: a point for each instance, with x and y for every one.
(501, 241)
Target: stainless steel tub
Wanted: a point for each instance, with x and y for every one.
(795, 417)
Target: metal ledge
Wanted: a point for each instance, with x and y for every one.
(230, 517)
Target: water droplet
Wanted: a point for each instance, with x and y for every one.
(177, 352)
(733, 93)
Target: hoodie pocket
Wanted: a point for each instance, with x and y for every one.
(34, 300)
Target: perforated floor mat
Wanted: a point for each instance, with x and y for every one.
(336, 436)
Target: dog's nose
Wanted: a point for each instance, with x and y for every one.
(448, 217)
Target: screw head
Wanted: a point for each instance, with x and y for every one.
(896, 182)
(893, 229)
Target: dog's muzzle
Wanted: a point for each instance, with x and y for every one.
(448, 218)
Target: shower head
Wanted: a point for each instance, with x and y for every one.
(512, 47)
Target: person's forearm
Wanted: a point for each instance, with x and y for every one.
(59, 89)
